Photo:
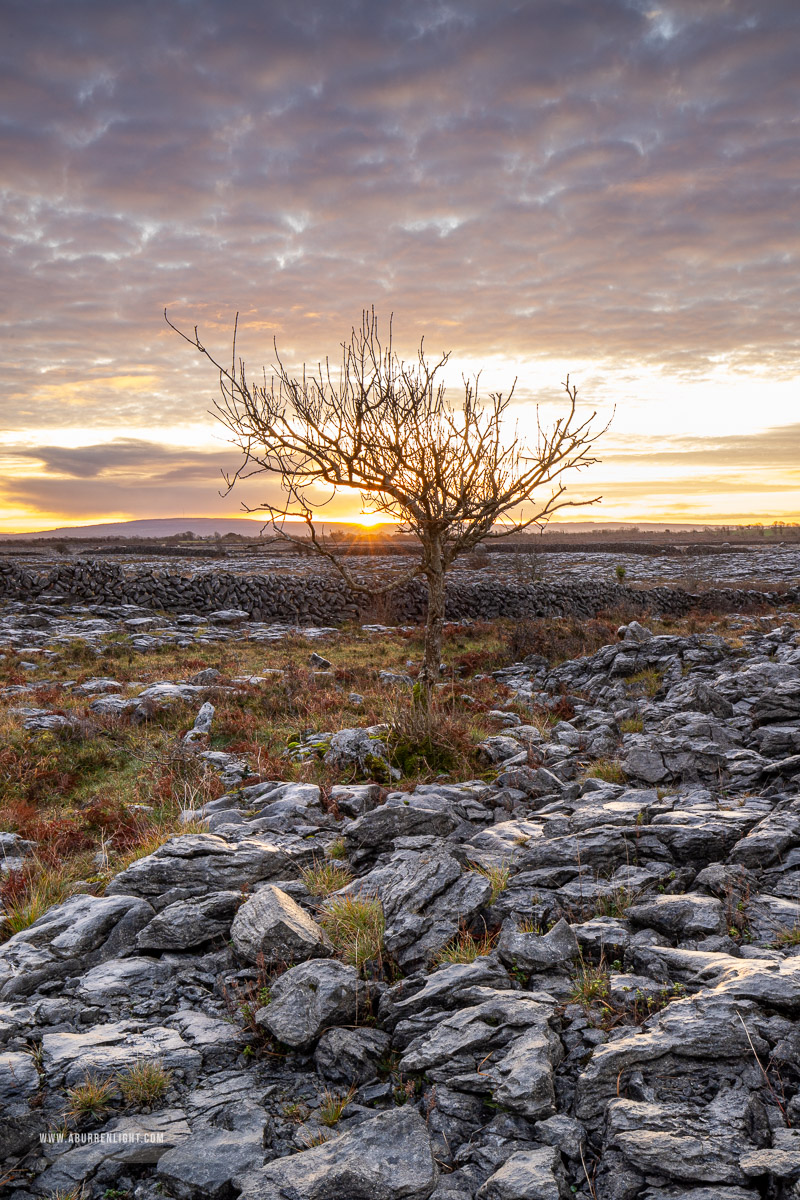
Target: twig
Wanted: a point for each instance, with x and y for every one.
(586, 1173)
(767, 1079)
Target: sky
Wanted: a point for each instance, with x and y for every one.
(605, 188)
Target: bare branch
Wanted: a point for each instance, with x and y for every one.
(452, 477)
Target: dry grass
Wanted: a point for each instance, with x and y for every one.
(466, 948)
(647, 682)
(105, 787)
(560, 638)
(355, 926)
(498, 877)
(324, 878)
(333, 1105)
(91, 1099)
(608, 769)
(37, 892)
(143, 1083)
(590, 985)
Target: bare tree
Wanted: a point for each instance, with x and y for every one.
(385, 427)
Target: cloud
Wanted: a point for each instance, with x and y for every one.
(596, 181)
(765, 451)
(122, 457)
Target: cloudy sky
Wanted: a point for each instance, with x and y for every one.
(608, 188)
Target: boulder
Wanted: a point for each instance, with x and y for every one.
(530, 952)
(426, 899)
(682, 916)
(528, 1175)
(272, 926)
(197, 864)
(386, 1158)
(189, 923)
(351, 1056)
(313, 997)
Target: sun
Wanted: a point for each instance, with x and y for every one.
(369, 520)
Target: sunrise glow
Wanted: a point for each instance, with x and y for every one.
(604, 191)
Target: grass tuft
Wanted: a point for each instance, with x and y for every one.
(466, 948)
(498, 877)
(143, 1083)
(332, 1106)
(608, 769)
(590, 985)
(90, 1099)
(324, 878)
(355, 926)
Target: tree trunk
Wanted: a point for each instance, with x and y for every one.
(435, 623)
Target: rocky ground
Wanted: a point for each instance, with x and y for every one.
(771, 565)
(577, 973)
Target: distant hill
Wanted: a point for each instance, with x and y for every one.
(164, 527)
(160, 527)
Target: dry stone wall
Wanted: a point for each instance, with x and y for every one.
(304, 599)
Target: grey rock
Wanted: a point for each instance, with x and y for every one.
(19, 1084)
(356, 798)
(503, 843)
(218, 1041)
(351, 1055)
(562, 1131)
(129, 977)
(376, 830)
(131, 1141)
(106, 1049)
(452, 986)
(502, 1046)
(206, 678)
(426, 898)
(113, 706)
(686, 915)
(530, 952)
(313, 997)
(70, 937)
(769, 840)
(196, 864)
(273, 926)
(499, 748)
(634, 632)
(707, 1026)
(189, 923)
(202, 724)
(202, 1166)
(229, 616)
(528, 1175)
(386, 1158)
(683, 1143)
(357, 749)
